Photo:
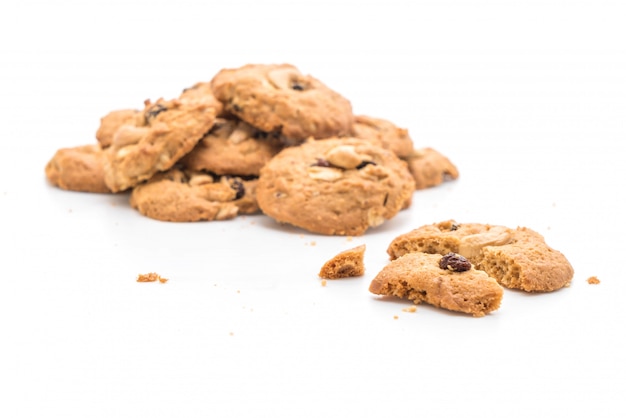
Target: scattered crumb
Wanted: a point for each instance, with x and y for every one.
(410, 309)
(395, 317)
(313, 243)
(151, 277)
(593, 280)
(324, 282)
(349, 239)
(231, 333)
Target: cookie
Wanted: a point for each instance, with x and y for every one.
(112, 121)
(430, 168)
(517, 258)
(232, 147)
(348, 263)
(338, 186)
(420, 278)
(384, 133)
(182, 196)
(202, 92)
(168, 130)
(280, 99)
(79, 169)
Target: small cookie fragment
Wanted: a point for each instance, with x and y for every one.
(430, 168)
(419, 278)
(150, 277)
(348, 263)
(593, 280)
(79, 169)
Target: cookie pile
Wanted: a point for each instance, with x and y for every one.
(259, 138)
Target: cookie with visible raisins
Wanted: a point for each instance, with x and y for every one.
(337, 186)
(167, 130)
(278, 98)
(184, 196)
(232, 147)
(430, 168)
(517, 258)
(420, 277)
(384, 133)
(79, 169)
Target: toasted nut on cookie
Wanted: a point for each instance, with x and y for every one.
(282, 78)
(240, 133)
(199, 179)
(325, 173)
(471, 245)
(345, 156)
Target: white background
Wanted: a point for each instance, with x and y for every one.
(528, 99)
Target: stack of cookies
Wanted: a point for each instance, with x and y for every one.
(259, 138)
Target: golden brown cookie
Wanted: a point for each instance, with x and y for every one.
(334, 186)
(384, 133)
(421, 278)
(202, 92)
(430, 168)
(112, 121)
(348, 263)
(78, 169)
(517, 258)
(180, 196)
(232, 147)
(281, 100)
(168, 130)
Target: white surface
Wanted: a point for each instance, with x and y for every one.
(526, 98)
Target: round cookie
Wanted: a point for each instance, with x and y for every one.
(420, 277)
(384, 133)
(202, 92)
(168, 130)
(517, 258)
(232, 147)
(183, 196)
(280, 99)
(112, 121)
(78, 169)
(334, 186)
(430, 168)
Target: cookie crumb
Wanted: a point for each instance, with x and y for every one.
(410, 309)
(324, 282)
(151, 277)
(593, 280)
(395, 317)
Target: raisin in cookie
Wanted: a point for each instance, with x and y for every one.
(232, 147)
(422, 277)
(78, 169)
(517, 258)
(384, 133)
(167, 131)
(334, 186)
(348, 263)
(182, 196)
(280, 99)
(430, 168)
(112, 121)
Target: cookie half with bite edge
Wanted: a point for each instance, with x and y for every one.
(278, 98)
(517, 258)
(339, 186)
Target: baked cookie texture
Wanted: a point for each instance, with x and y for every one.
(233, 147)
(168, 130)
(278, 98)
(338, 186)
(79, 169)
(112, 121)
(517, 258)
(383, 133)
(348, 263)
(182, 196)
(430, 168)
(418, 277)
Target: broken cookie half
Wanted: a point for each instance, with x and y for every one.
(448, 282)
(348, 263)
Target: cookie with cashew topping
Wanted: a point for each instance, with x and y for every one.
(279, 99)
(337, 186)
(518, 258)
